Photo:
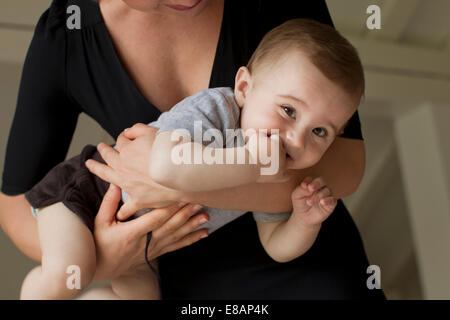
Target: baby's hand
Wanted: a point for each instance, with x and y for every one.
(312, 202)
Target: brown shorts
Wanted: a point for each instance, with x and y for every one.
(71, 183)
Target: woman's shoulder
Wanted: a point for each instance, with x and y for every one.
(69, 15)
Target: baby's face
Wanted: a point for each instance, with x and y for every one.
(295, 97)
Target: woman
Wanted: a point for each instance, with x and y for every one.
(131, 60)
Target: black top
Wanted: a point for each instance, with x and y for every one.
(71, 71)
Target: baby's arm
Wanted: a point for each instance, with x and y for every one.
(200, 175)
(289, 239)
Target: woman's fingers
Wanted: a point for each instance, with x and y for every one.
(106, 213)
(152, 220)
(108, 154)
(139, 129)
(184, 242)
(103, 171)
(178, 220)
(185, 229)
(122, 141)
(127, 210)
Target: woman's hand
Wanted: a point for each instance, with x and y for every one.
(127, 168)
(120, 245)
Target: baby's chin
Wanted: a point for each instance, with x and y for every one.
(292, 164)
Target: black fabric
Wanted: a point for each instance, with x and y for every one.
(232, 264)
(71, 183)
(68, 72)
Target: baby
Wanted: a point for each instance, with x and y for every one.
(298, 91)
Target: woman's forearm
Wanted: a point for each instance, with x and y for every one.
(19, 224)
(342, 167)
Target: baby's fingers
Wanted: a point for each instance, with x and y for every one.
(328, 204)
(300, 193)
(317, 196)
(306, 182)
(317, 184)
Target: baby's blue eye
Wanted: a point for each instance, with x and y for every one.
(289, 111)
(320, 132)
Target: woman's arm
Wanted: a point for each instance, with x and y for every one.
(342, 167)
(19, 225)
(40, 134)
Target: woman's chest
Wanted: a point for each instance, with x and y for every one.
(167, 66)
(165, 76)
(124, 82)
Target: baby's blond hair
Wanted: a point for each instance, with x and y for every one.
(326, 48)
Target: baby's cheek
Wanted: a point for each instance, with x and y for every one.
(272, 122)
(311, 158)
(263, 121)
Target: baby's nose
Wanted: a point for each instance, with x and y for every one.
(295, 139)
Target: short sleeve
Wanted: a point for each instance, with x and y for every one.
(45, 118)
(270, 217)
(207, 109)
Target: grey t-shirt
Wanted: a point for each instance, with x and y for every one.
(212, 109)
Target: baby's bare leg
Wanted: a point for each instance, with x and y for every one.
(141, 284)
(65, 242)
(103, 293)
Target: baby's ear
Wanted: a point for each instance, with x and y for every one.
(242, 85)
